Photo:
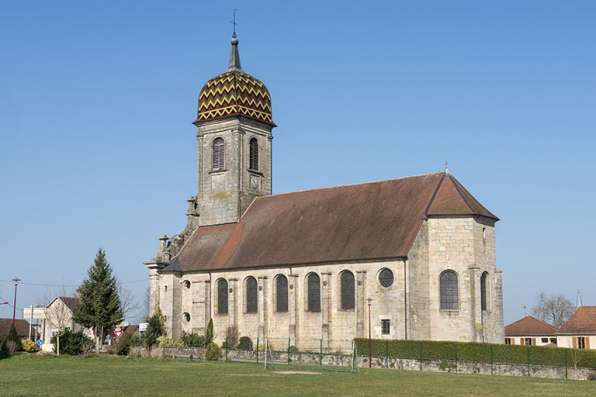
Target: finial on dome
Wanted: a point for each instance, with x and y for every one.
(446, 168)
(234, 64)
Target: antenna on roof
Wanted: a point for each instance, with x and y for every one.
(234, 23)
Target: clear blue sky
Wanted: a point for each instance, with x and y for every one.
(98, 149)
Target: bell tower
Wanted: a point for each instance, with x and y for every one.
(234, 137)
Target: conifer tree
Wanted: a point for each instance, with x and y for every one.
(99, 306)
(155, 328)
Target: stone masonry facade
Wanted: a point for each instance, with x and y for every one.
(465, 245)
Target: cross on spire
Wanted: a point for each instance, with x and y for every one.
(234, 22)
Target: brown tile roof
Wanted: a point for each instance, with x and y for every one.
(583, 321)
(529, 326)
(70, 302)
(22, 327)
(374, 220)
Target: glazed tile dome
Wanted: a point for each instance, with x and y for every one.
(234, 93)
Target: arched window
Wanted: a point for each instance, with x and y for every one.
(218, 154)
(483, 281)
(251, 295)
(347, 290)
(254, 154)
(449, 293)
(222, 296)
(281, 286)
(314, 293)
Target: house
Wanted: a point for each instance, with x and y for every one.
(60, 316)
(532, 332)
(579, 331)
(417, 253)
(22, 327)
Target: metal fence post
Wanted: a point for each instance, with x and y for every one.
(528, 361)
(455, 358)
(321, 352)
(566, 363)
(258, 349)
(387, 354)
(420, 355)
(491, 359)
(288, 351)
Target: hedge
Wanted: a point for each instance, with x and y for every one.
(477, 352)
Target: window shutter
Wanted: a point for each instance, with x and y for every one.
(587, 342)
(574, 343)
(533, 341)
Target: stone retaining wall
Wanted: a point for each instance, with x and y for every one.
(303, 358)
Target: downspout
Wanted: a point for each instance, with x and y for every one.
(405, 302)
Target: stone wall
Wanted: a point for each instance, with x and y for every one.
(224, 194)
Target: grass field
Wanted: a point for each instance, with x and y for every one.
(48, 375)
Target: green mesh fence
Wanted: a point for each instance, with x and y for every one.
(304, 354)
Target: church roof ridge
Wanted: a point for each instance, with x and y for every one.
(351, 184)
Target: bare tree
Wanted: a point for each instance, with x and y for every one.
(554, 309)
(128, 303)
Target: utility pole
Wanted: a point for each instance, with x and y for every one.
(14, 308)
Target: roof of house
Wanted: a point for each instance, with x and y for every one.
(375, 220)
(132, 329)
(22, 327)
(530, 326)
(582, 321)
(69, 301)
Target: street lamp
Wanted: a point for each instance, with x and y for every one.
(14, 308)
(369, 338)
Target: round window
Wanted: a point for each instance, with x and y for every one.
(386, 278)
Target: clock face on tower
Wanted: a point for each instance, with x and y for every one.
(254, 182)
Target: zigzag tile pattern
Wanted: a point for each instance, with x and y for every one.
(235, 94)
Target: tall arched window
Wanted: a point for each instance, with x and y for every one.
(218, 154)
(254, 154)
(347, 290)
(449, 293)
(281, 293)
(314, 293)
(483, 281)
(222, 296)
(251, 295)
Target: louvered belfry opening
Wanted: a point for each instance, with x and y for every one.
(449, 292)
(483, 290)
(222, 297)
(218, 154)
(314, 293)
(251, 295)
(281, 285)
(347, 290)
(254, 154)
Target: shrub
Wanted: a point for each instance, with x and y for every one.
(293, 349)
(136, 340)
(226, 345)
(73, 343)
(245, 343)
(164, 341)
(477, 352)
(192, 340)
(122, 344)
(213, 352)
(232, 336)
(178, 343)
(28, 345)
(209, 332)
(13, 336)
(10, 348)
(155, 328)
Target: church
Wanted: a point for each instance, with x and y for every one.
(416, 255)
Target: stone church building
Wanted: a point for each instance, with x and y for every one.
(418, 252)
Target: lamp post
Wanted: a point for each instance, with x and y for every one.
(369, 335)
(14, 308)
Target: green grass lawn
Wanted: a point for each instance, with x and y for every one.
(25, 375)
